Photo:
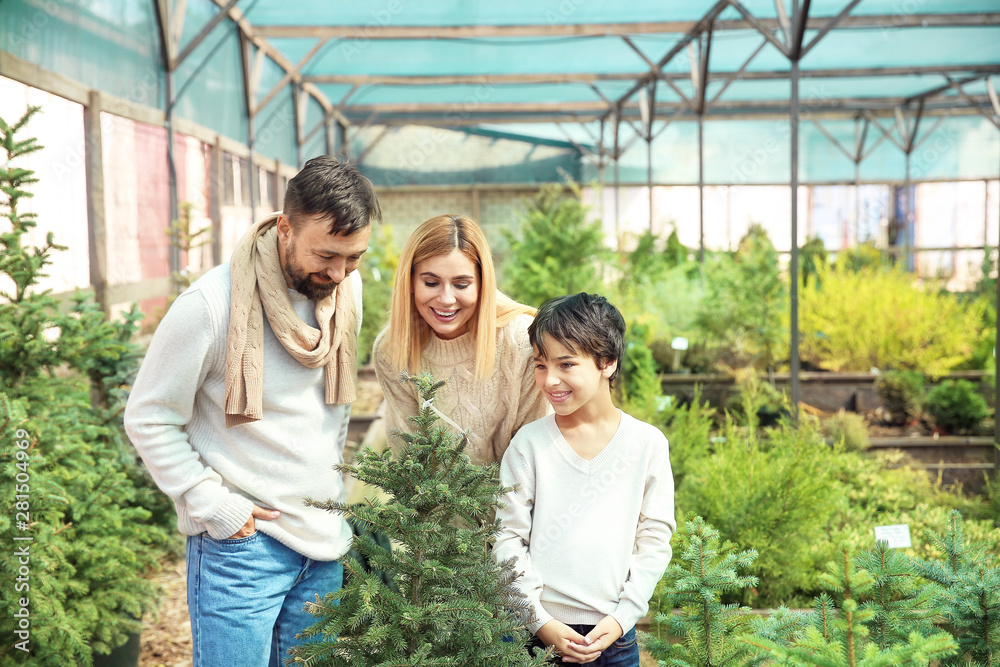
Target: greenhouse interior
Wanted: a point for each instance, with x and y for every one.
(794, 205)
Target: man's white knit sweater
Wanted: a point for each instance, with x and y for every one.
(490, 410)
(176, 419)
(591, 537)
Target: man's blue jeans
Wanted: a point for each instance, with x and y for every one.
(246, 598)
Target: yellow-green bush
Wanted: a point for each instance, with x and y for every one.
(854, 321)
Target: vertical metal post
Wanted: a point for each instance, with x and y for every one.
(173, 252)
(217, 180)
(996, 359)
(97, 231)
(331, 147)
(649, 176)
(251, 136)
(701, 187)
(601, 160)
(345, 147)
(857, 178)
(857, 201)
(794, 268)
(615, 155)
(908, 222)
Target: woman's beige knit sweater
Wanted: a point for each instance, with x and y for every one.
(489, 410)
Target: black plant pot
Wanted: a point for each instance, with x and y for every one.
(126, 655)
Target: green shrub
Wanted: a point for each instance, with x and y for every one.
(875, 318)
(688, 428)
(861, 257)
(848, 429)
(839, 633)
(744, 312)
(378, 268)
(812, 258)
(775, 494)
(755, 401)
(966, 579)
(956, 405)
(556, 250)
(78, 491)
(639, 382)
(901, 393)
(703, 633)
(660, 290)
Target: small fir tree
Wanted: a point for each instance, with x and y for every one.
(85, 539)
(967, 582)
(557, 250)
(842, 637)
(746, 303)
(900, 600)
(708, 629)
(451, 603)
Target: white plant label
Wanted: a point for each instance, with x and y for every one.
(897, 536)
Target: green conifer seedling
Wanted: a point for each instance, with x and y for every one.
(81, 539)
(968, 585)
(842, 637)
(451, 603)
(900, 600)
(708, 629)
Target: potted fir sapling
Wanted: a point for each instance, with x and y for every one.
(449, 603)
(80, 497)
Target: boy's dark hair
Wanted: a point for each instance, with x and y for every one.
(582, 323)
(335, 191)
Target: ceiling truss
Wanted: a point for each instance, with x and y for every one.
(946, 95)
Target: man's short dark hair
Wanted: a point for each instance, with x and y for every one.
(583, 324)
(334, 191)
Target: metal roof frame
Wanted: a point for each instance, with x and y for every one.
(776, 31)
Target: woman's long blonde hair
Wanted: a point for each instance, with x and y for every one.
(408, 332)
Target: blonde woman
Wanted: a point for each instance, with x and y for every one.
(449, 319)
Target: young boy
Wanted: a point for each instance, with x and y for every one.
(590, 518)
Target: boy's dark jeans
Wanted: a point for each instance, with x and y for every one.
(622, 653)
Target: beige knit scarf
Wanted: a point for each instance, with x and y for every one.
(259, 287)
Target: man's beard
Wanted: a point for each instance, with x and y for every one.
(303, 282)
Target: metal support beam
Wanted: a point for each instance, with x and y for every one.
(331, 147)
(169, 48)
(996, 357)
(216, 183)
(833, 23)
(692, 33)
(395, 32)
(794, 263)
(703, 55)
(616, 155)
(593, 77)
(290, 75)
(345, 146)
(247, 31)
(760, 27)
(97, 231)
(250, 94)
(298, 112)
(701, 188)
(372, 144)
(799, 25)
(993, 117)
(200, 37)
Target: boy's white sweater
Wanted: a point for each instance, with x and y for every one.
(591, 537)
(176, 419)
